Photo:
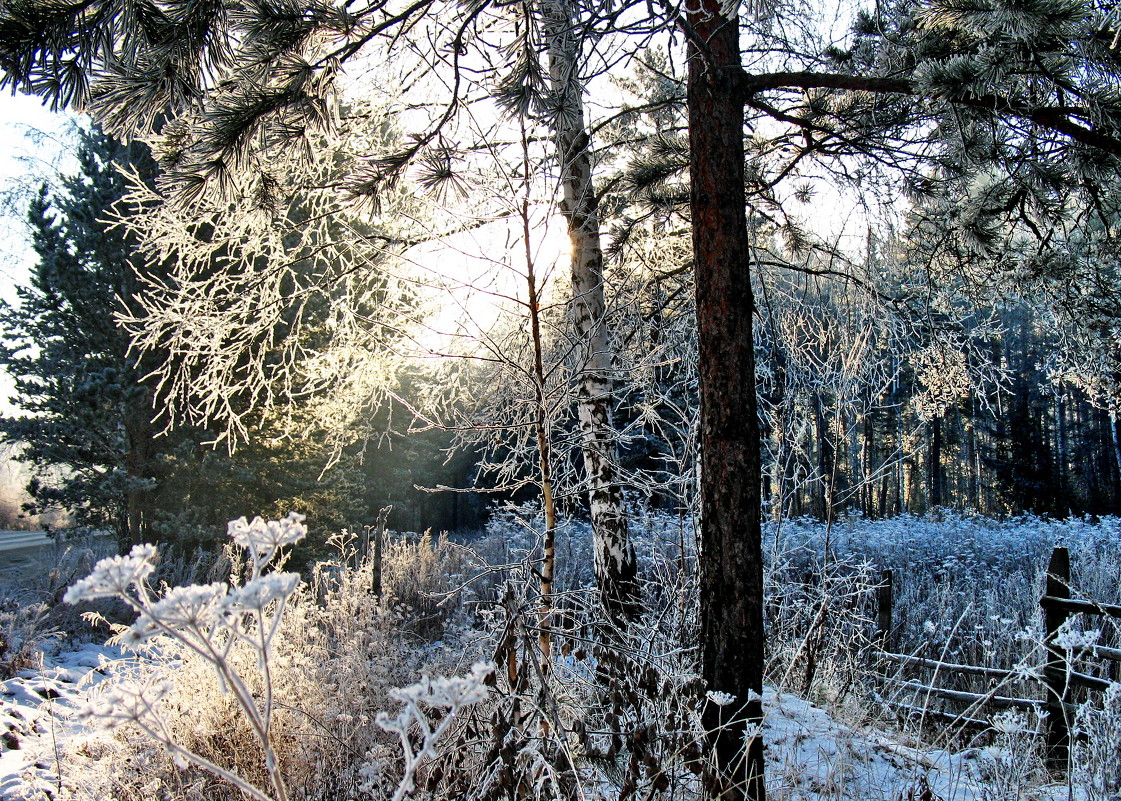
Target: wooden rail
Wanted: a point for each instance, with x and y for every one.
(950, 667)
(974, 699)
(937, 714)
(1101, 652)
(1079, 605)
(1057, 674)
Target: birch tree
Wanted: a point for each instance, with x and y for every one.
(614, 555)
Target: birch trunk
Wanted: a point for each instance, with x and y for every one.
(614, 554)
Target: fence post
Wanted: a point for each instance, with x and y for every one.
(378, 537)
(1055, 672)
(883, 610)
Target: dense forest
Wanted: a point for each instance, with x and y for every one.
(872, 401)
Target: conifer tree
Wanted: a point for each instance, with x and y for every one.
(89, 427)
(86, 432)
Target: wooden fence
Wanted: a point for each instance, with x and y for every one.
(1057, 674)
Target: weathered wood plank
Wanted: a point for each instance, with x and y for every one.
(986, 699)
(951, 667)
(1049, 602)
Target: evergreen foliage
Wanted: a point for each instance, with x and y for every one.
(85, 431)
(86, 427)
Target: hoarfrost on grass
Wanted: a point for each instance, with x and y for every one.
(207, 620)
(1069, 638)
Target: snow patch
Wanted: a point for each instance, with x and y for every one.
(37, 715)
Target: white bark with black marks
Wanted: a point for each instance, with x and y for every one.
(614, 554)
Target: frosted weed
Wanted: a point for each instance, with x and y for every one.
(208, 621)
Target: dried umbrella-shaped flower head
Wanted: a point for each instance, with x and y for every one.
(260, 592)
(262, 539)
(720, 698)
(128, 702)
(113, 577)
(448, 691)
(197, 608)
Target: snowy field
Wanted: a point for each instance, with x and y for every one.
(966, 589)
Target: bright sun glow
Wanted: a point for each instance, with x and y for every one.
(475, 281)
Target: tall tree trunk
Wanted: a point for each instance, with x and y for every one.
(973, 462)
(1116, 438)
(901, 460)
(730, 559)
(140, 437)
(934, 464)
(907, 490)
(1061, 447)
(613, 552)
(864, 458)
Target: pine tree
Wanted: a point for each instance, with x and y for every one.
(86, 432)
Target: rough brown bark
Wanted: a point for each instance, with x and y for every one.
(730, 559)
(614, 554)
(1056, 671)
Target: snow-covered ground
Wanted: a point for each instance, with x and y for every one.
(966, 589)
(36, 711)
(809, 755)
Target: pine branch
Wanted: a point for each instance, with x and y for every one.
(1055, 118)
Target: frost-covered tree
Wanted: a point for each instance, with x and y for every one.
(87, 421)
(233, 146)
(595, 353)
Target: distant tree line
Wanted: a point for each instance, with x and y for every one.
(877, 401)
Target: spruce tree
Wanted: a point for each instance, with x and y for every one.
(86, 430)
(86, 427)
